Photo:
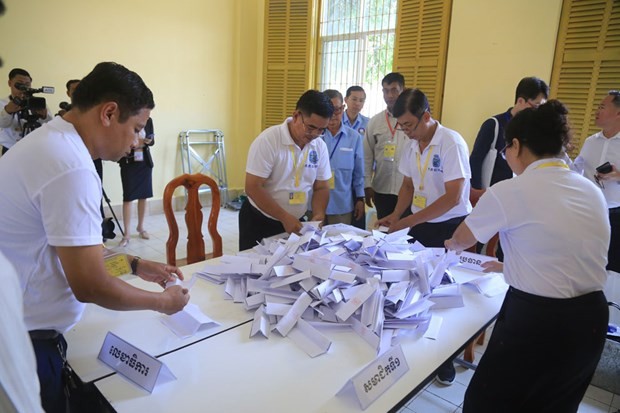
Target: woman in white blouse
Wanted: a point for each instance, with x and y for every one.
(554, 230)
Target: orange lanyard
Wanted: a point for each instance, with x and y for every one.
(387, 120)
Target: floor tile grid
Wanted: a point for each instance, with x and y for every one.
(435, 398)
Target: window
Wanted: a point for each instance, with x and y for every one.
(356, 47)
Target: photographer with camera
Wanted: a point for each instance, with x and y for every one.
(21, 112)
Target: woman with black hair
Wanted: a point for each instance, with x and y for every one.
(554, 229)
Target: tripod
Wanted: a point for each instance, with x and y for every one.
(107, 200)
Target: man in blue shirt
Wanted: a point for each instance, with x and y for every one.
(346, 158)
(355, 99)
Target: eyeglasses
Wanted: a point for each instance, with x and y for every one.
(338, 110)
(312, 130)
(408, 128)
(503, 152)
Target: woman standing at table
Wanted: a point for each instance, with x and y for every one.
(137, 179)
(554, 229)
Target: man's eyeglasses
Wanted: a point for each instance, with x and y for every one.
(338, 110)
(409, 128)
(312, 130)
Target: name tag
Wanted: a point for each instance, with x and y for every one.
(297, 198)
(138, 155)
(132, 363)
(419, 201)
(389, 151)
(378, 376)
(332, 181)
(117, 265)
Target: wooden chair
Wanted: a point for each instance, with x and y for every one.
(491, 247)
(193, 219)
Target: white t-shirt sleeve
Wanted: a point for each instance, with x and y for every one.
(407, 161)
(69, 219)
(487, 218)
(456, 163)
(261, 158)
(324, 171)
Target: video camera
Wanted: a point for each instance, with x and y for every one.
(30, 102)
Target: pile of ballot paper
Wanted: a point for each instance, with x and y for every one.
(380, 285)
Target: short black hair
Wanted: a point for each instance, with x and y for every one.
(18, 72)
(354, 89)
(616, 97)
(413, 101)
(333, 93)
(313, 101)
(394, 77)
(530, 87)
(545, 130)
(112, 82)
(70, 82)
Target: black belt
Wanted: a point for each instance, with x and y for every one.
(43, 334)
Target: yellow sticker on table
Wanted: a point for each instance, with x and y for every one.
(389, 151)
(297, 198)
(117, 265)
(419, 201)
(332, 181)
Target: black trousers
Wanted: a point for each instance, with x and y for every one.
(359, 223)
(432, 234)
(254, 226)
(49, 370)
(385, 205)
(541, 356)
(613, 256)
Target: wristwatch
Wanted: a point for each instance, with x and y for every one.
(134, 265)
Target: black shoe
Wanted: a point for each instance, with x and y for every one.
(446, 374)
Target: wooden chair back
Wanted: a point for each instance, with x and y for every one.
(193, 219)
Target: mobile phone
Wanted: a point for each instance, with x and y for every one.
(604, 168)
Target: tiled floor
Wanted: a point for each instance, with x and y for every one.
(434, 399)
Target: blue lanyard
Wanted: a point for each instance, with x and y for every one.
(337, 142)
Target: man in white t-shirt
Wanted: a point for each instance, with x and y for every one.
(50, 226)
(435, 186)
(602, 147)
(285, 162)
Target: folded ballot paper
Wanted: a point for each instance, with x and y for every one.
(338, 276)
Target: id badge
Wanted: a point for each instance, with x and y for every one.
(297, 198)
(332, 181)
(419, 201)
(389, 152)
(138, 155)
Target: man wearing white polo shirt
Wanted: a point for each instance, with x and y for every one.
(435, 186)
(285, 162)
(602, 147)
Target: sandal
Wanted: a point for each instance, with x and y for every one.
(144, 235)
(123, 242)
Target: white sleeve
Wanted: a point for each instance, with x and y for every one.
(69, 207)
(261, 158)
(369, 156)
(487, 217)
(406, 161)
(456, 163)
(324, 171)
